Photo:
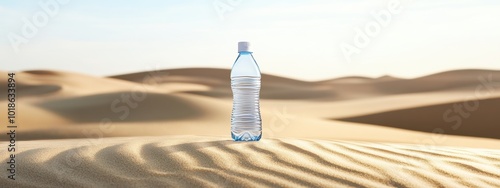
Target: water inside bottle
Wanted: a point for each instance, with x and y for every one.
(246, 123)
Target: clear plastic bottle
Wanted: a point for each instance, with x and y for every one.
(246, 123)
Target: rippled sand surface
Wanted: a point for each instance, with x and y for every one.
(189, 161)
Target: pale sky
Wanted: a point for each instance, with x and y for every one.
(298, 39)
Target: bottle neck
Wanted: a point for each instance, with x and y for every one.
(245, 66)
(245, 53)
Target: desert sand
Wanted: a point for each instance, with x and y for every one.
(170, 128)
(190, 161)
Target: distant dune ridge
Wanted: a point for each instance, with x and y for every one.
(439, 130)
(274, 87)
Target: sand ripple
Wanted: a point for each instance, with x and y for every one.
(187, 161)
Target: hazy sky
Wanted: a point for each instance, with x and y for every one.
(299, 39)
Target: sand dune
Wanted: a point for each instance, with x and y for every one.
(345, 132)
(474, 118)
(273, 87)
(54, 84)
(169, 102)
(187, 161)
(96, 107)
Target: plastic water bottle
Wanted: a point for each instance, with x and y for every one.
(246, 124)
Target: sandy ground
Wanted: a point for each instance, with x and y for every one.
(437, 130)
(189, 161)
